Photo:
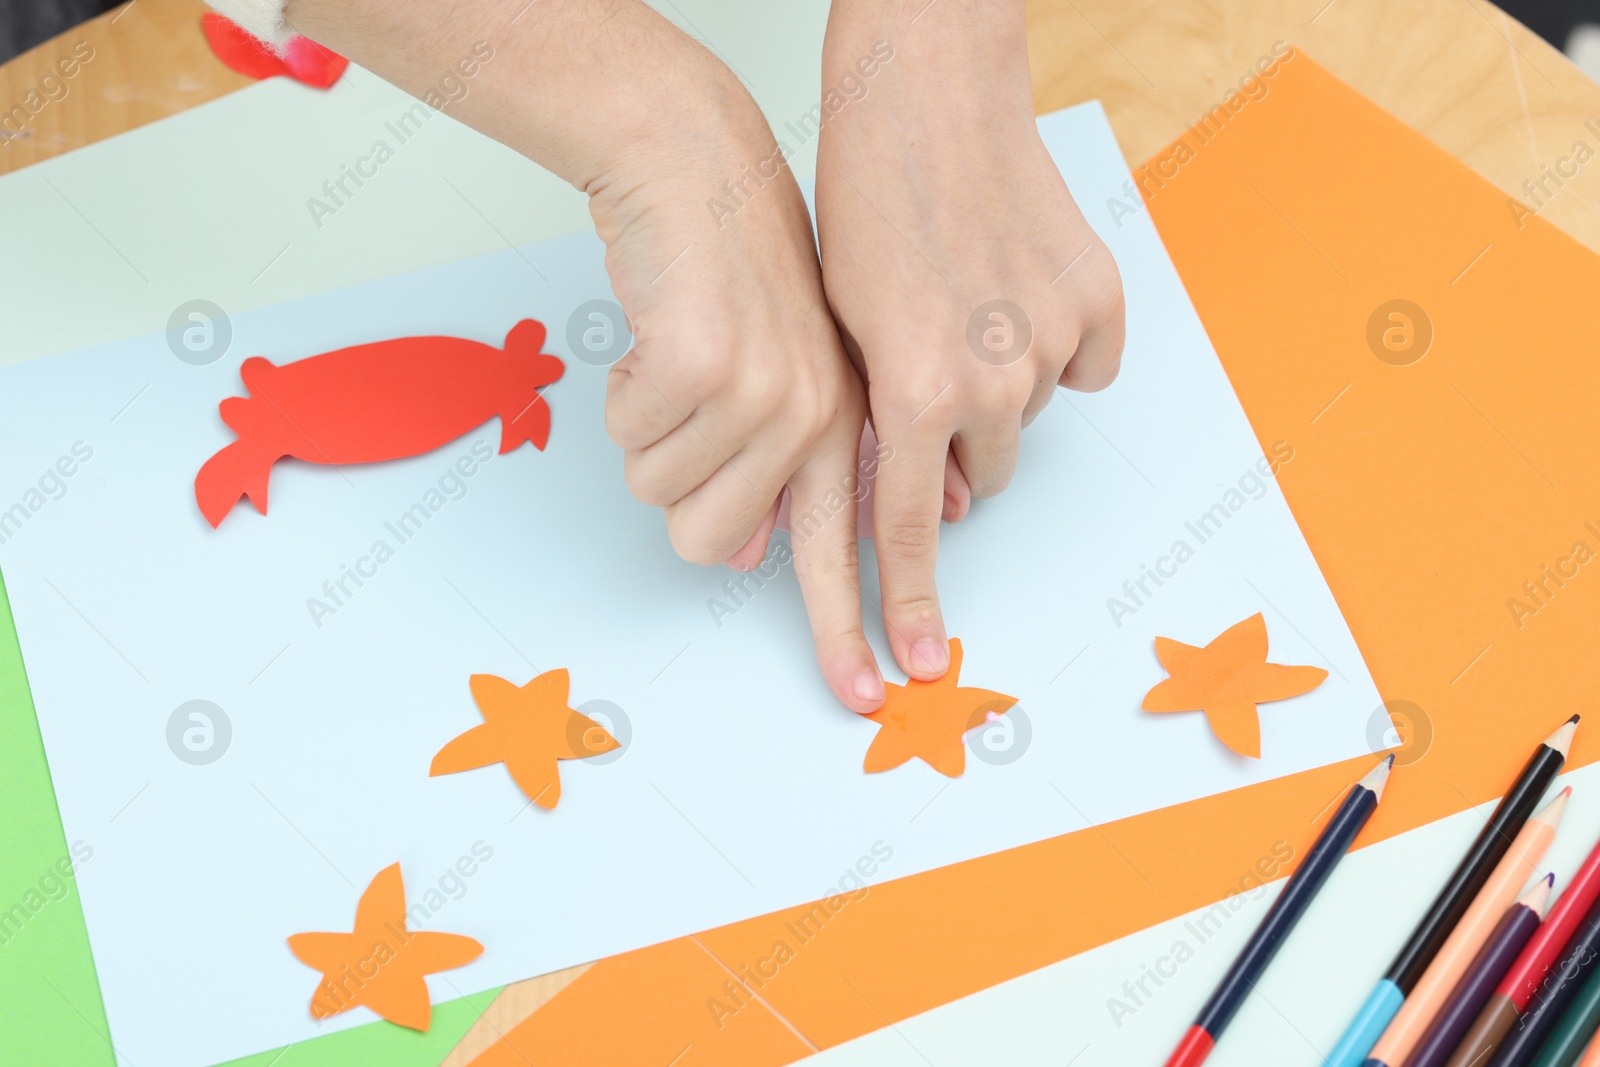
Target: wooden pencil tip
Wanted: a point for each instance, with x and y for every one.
(1538, 897)
(1557, 807)
(1561, 740)
(1376, 778)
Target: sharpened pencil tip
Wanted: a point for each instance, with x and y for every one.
(1376, 778)
(1553, 811)
(1538, 898)
(1561, 740)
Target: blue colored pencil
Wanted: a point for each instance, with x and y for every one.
(1297, 895)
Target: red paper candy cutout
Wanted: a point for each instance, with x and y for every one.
(374, 402)
(303, 60)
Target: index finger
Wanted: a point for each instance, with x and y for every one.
(908, 502)
(824, 494)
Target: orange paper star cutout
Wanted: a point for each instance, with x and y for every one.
(930, 719)
(1227, 679)
(381, 964)
(527, 728)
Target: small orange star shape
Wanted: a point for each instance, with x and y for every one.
(528, 729)
(929, 720)
(1226, 680)
(381, 965)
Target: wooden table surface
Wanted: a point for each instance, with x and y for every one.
(1459, 71)
(148, 61)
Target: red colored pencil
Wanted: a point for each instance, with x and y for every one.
(1522, 980)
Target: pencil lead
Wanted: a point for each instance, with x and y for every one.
(1378, 776)
(1561, 740)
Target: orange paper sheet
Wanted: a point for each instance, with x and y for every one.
(1430, 492)
(628, 1015)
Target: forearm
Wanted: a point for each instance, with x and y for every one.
(567, 81)
(966, 59)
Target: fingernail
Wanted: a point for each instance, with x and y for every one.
(949, 508)
(930, 656)
(869, 687)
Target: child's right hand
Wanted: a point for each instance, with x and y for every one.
(960, 270)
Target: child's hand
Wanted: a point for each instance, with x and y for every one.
(738, 384)
(935, 197)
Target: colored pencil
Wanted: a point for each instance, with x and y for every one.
(1488, 967)
(1445, 911)
(1591, 1055)
(1477, 922)
(1558, 990)
(1298, 893)
(1576, 1028)
(1522, 981)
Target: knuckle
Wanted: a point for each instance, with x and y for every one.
(820, 401)
(624, 428)
(645, 485)
(692, 381)
(912, 609)
(1112, 367)
(1003, 396)
(922, 398)
(819, 398)
(1093, 295)
(692, 541)
(1038, 401)
(686, 375)
(829, 556)
(1114, 309)
(1103, 299)
(841, 634)
(813, 425)
(993, 478)
(766, 393)
(908, 541)
(982, 471)
(1092, 375)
